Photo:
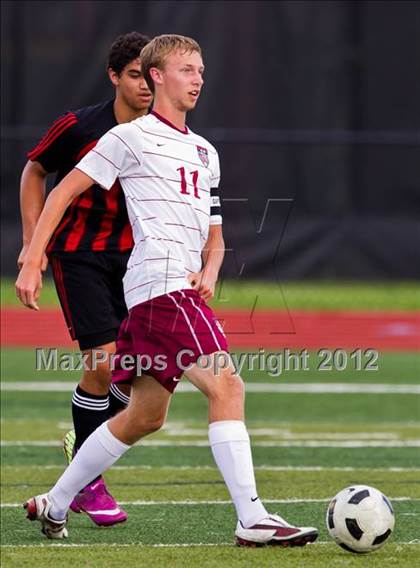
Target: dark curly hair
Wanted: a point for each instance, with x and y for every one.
(125, 49)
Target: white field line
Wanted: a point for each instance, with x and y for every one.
(287, 435)
(114, 545)
(162, 545)
(285, 428)
(180, 429)
(280, 425)
(141, 503)
(313, 388)
(263, 444)
(284, 468)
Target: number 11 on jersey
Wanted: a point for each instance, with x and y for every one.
(194, 176)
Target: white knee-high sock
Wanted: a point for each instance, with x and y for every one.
(231, 449)
(96, 454)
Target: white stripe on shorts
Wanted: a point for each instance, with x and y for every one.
(188, 322)
(205, 320)
(118, 394)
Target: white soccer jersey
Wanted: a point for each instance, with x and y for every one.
(167, 176)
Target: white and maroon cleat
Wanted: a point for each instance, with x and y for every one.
(273, 530)
(38, 509)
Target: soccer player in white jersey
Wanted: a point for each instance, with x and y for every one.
(169, 176)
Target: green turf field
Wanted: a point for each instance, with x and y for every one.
(307, 446)
(293, 295)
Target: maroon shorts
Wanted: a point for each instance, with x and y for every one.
(163, 336)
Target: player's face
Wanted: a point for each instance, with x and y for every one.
(132, 88)
(182, 79)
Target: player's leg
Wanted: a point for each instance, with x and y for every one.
(106, 281)
(90, 402)
(91, 407)
(93, 316)
(96, 399)
(145, 414)
(229, 438)
(230, 444)
(93, 306)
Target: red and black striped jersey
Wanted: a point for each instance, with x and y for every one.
(96, 220)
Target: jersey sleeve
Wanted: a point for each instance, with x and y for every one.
(56, 144)
(215, 205)
(111, 158)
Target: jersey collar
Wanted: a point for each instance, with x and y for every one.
(168, 123)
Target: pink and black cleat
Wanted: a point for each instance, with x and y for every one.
(94, 499)
(98, 504)
(273, 530)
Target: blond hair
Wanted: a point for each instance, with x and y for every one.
(155, 52)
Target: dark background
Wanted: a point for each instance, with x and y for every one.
(312, 105)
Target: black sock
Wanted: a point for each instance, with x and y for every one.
(89, 412)
(117, 400)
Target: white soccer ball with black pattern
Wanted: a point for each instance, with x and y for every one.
(360, 518)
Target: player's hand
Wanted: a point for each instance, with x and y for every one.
(204, 283)
(28, 285)
(22, 256)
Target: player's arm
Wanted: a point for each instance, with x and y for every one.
(98, 166)
(32, 199)
(29, 282)
(213, 253)
(47, 157)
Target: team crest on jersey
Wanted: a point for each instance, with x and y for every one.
(203, 155)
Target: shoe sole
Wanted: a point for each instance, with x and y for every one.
(107, 523)
(298, 541)
(76, 509)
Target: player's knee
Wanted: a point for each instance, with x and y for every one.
(155, 424)
(235, 386)
(228, 386)
(145, 425)
(98, 378)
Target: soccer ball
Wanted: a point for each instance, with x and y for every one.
(360, 518)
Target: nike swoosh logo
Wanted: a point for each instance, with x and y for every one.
(160, 144)
(108, 512)
(253, 499)
(176, 380)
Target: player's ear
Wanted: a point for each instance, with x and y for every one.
(113, 77)
(156, 75)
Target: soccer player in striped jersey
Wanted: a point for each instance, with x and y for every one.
(170, 177)
(89, 249)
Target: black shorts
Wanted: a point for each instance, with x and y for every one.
(90, 289)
